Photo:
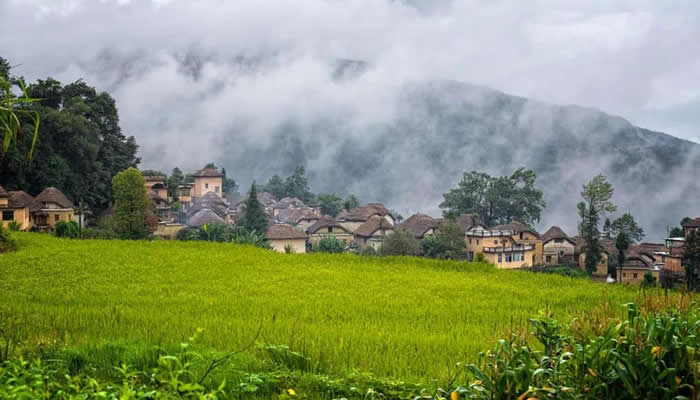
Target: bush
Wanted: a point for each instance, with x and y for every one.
(97, 233)
(649, 280)
(479, 257)
(6, 242)
(14, 226)
(400, 243)
(67, 229)
(223, 233)
(367, 251)
(329, 244)
(289, 249)
(446, 243)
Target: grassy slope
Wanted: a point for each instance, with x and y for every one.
(403, 317)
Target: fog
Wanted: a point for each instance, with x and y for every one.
(259, 87)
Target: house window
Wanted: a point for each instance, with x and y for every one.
(549, 259)
(624, 275)
(477, 241)
(634, 275)
(206, 186)
(500, 258)
(521, 236)
(522, 256)
(56, 217)
(330, 229)
(516, 257)
(216, 189)
(558, 240)
(471, 256)
(470, 241)
(509, 258)
(8, 215)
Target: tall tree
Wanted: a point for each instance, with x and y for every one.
(254, 217)
(330, 204)
(691, 259)
(497, 200)
(607, 229)
(627, 225)
(622, 243)
(297, 185)
(210, 165)
(276, 187)
(229, 185)
(597, 195)
(131, 205)
(447, 243)
(351, 202)
(175, 179)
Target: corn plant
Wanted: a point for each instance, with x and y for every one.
(12, 109)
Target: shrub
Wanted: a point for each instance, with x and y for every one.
(446, 243)
(400, 243)
(14, 226)
(479, 257)
(67, 229)
(6, 242)
(649, 280)
(329, 244)
(97, 233)
(367, 251)
(289, 249)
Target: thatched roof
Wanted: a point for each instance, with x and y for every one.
(204, 216)
(19, 199)
(363, 213)
(50, 195)
(156, 199)
(208, 173)
(556, 232)
(3, 192)
(294, 215)
(211, 201)
(693, 223)
(515, 226)
(419, 224)
(325, 222)
(374, 224)
(289, 202)
(151, 178)
(468, 221)
(283, 232)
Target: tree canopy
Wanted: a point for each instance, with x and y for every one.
(330, 204)
(254, 218)
(597, 195)
(497, 200)
(131, 205)
(627, 225)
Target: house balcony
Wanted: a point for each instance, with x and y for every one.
(480, 233)
(510, 249)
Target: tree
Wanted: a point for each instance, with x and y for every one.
(153, 172)
(627, 225)
(13, 109)
(497, 200)
(677, 231)
(254, 217)
(607, 229)
(329, 244)
(297, 185)
(229, 185)
(351, 202)
(400, 243)
(176, 179)
(131, 205)
(622, 243)
(276, 187)
(330, 204)
(210, 165)
(597, 195)
(649, 280)
(691, 259)
(446, 243)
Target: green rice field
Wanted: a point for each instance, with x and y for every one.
(396, 317)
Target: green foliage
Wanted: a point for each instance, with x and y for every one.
(329, 244)
(295, 185)
(649, 280)
(691, 259)
(627, 225)
(131, 205)
(622, 243)
(276, 187)
(676, 232)
(6, 242)
(571, 272)
(479, 257)
(367, 251)
(597, 195)
(13, 110)
(497, 200)
(67, 229)
(222, 233)
(229, 185)
(330, 204)
(254, 218)
(289, 249)
(446, 243)
(401, 243)
(351, 202)
(14, 226)
(175, 179)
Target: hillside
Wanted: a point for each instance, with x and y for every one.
(403, 317)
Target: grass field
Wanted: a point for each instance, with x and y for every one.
(400, 317)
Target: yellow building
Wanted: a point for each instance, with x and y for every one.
(157, 185)
(558, 247)
(14, 206)
(50, 207)
(329, 227)
(506, 246)
(208, 180)
(373, 232)
(282, 237)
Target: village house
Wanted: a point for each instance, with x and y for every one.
(50, 207)
(419, 225)
(608, 253)
(327, 226)
(156, 184)
(692, 225)
(208, 180)
(353, 218)
(210, 208)
(184, 195)
(558, 248)
(304, 222)
(14, 206)
(161, 206)
(281, 237)
(509, 246)
(373, 232)
(469, 221)
(640, 259)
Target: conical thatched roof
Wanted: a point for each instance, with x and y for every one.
(325, 222)
(555, 232)
(204, 216)
(419, 224)
(208, 173)
(19, 199)
(374, 224)
(50, 195)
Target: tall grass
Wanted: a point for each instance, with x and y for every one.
(402, 317)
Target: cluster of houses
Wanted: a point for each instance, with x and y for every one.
(295, 225)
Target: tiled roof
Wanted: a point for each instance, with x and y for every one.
(374, 224)
(419, 224)
(282, 231)
(50, 195)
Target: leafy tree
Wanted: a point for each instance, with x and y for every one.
(446, 243)
(131, 205)
(297, 185)
(608, 229)
(330, 204)
(153, 172)
(649, 280)
(229, 185)
(210, 165)
(176, 179)
(351, 202)
(254, 217)
(329, 244)
(400, 243)
(678, 231)
(622, 243)
(691, 259)
(67, 229)
(6, 241)
(597, 195)
(627, 225)
(497, 200)
(276, 187)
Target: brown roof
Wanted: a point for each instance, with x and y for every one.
(556, 232)
(282, 231)
(324, 222)
(693, 223)
(636, 262)
(50, 195)
(515, 226)
(156, 199)
(363, 213)
(204, 216)
(208, 173)
(19, 199)
(468, 221)
(374, 224)
(154, 177)
(419, 224)
(3, 192)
